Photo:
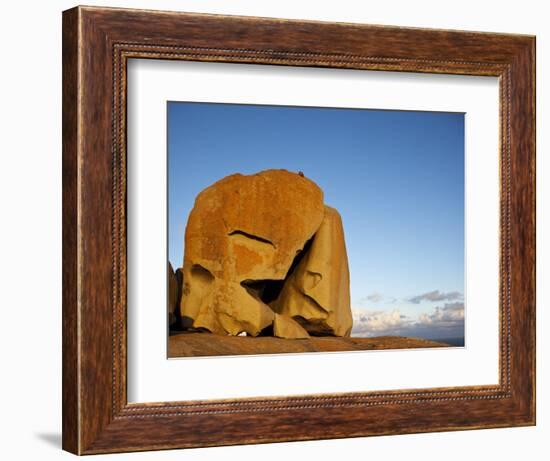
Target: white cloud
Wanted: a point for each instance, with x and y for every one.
(448, 315)
(378, 323)
(441, 322)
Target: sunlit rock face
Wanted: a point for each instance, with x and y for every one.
(316, 293)
(263, 255)
(286, 327)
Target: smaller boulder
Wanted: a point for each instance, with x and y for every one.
(173, 294)
(288, 328)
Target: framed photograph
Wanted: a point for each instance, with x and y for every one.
(266, 266)
(282, 230)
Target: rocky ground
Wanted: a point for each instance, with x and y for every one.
(184, 344)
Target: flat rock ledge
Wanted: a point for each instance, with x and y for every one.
(191, 344)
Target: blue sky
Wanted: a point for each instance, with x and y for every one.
(396, 177)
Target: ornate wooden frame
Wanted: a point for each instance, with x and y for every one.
(97, 43)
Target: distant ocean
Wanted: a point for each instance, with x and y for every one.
(455, 342)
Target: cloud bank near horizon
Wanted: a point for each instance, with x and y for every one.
(445, 321)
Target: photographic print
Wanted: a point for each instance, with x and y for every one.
(313, 229)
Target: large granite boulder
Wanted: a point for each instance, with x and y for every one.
(242, 237)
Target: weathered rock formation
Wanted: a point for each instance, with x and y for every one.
(172, 295)
(286, 327)
(316, 294)
(264, 256)
(175, 284)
